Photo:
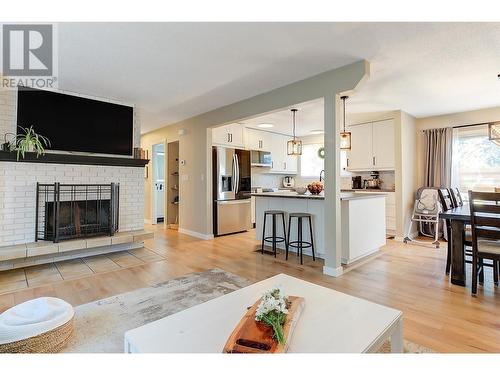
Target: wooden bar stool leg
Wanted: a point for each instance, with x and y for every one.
(311, 233)
(289, 225)
(274, 235)
(263, 234)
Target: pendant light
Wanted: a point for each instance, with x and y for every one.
(494, 132)
(294, 146)
(345, 137)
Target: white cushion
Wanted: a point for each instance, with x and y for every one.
(34, 317)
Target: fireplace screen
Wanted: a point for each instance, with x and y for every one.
(65, 211)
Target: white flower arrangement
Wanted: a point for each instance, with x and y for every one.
(272, 311)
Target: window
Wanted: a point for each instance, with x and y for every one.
(311, 164)
(476, 160)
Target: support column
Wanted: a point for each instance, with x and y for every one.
(332, 227)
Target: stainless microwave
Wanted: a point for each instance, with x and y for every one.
(261, 159)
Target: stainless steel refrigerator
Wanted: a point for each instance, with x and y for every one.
(231, 190)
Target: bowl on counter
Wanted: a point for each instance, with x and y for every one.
(301, 190)
(315, 187)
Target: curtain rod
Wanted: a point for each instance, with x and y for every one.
(468, 125)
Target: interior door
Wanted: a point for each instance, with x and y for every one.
(361, 154)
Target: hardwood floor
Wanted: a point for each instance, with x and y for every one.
(441, 316)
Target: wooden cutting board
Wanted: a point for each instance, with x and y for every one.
(251, 336)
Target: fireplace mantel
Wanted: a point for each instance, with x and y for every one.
(50, 158)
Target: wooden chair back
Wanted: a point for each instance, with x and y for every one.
(485, 215)
(456, 197)
(446, 199)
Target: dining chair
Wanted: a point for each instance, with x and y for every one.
(447, 204)
(456, 197)
(485, 224)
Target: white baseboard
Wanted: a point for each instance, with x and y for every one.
(335, 272)
(196, 234)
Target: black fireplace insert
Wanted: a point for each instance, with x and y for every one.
(69, 211)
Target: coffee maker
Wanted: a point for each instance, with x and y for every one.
(356, 182)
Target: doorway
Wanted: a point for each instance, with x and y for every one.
(158, 181)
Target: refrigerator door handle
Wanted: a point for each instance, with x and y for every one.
(233, 188)
(237, 177)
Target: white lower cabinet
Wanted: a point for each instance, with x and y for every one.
(390, 209)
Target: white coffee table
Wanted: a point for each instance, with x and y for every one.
(332, 322)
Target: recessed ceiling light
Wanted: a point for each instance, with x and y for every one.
(266, 125)
(317, 131)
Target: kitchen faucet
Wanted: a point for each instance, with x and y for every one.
(321, 175)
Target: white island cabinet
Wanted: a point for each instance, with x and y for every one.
(362, 215)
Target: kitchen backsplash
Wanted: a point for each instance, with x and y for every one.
(265, 180)
(388, 179)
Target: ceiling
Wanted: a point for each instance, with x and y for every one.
(172, 71)
(309, 117)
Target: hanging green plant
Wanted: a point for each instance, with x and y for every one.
(29, 141)
(321, 152)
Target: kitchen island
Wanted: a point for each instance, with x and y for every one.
(362, 221)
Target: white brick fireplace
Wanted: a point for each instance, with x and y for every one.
(18, 194)
(18, 181)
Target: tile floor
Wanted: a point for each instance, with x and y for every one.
(43, 274)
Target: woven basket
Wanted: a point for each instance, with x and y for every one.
(49, 342)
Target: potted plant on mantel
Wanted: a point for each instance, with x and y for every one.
(29, 141)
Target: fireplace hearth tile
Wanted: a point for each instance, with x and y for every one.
(42, 248)
(72, 245)
(43, 274)
(101, 263)
(125, 259)
(145, 255)
(121, 238)
(71, 269)
(12, 252)
(98, 241)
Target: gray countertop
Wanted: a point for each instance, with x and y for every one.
(343, 196)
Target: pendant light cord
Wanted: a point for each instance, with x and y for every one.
(343, 100)
(294, 111)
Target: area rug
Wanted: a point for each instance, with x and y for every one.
(100, 326)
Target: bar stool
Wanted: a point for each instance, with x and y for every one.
(300, 244)
(274, 239)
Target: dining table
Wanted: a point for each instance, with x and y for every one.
(458, 218)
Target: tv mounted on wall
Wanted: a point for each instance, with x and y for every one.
(73, 123)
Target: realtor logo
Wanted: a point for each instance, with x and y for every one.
(28, 55)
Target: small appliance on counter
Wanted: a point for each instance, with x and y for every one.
(356, 182)
(374, 182)
(288, 182)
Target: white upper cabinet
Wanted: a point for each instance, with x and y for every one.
(360, 156)
(235, 135)
(282, 162)
(372, 146)
(383, 144)
(258, 140)
(228, 135)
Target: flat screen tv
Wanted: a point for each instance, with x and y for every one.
(72, 123)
